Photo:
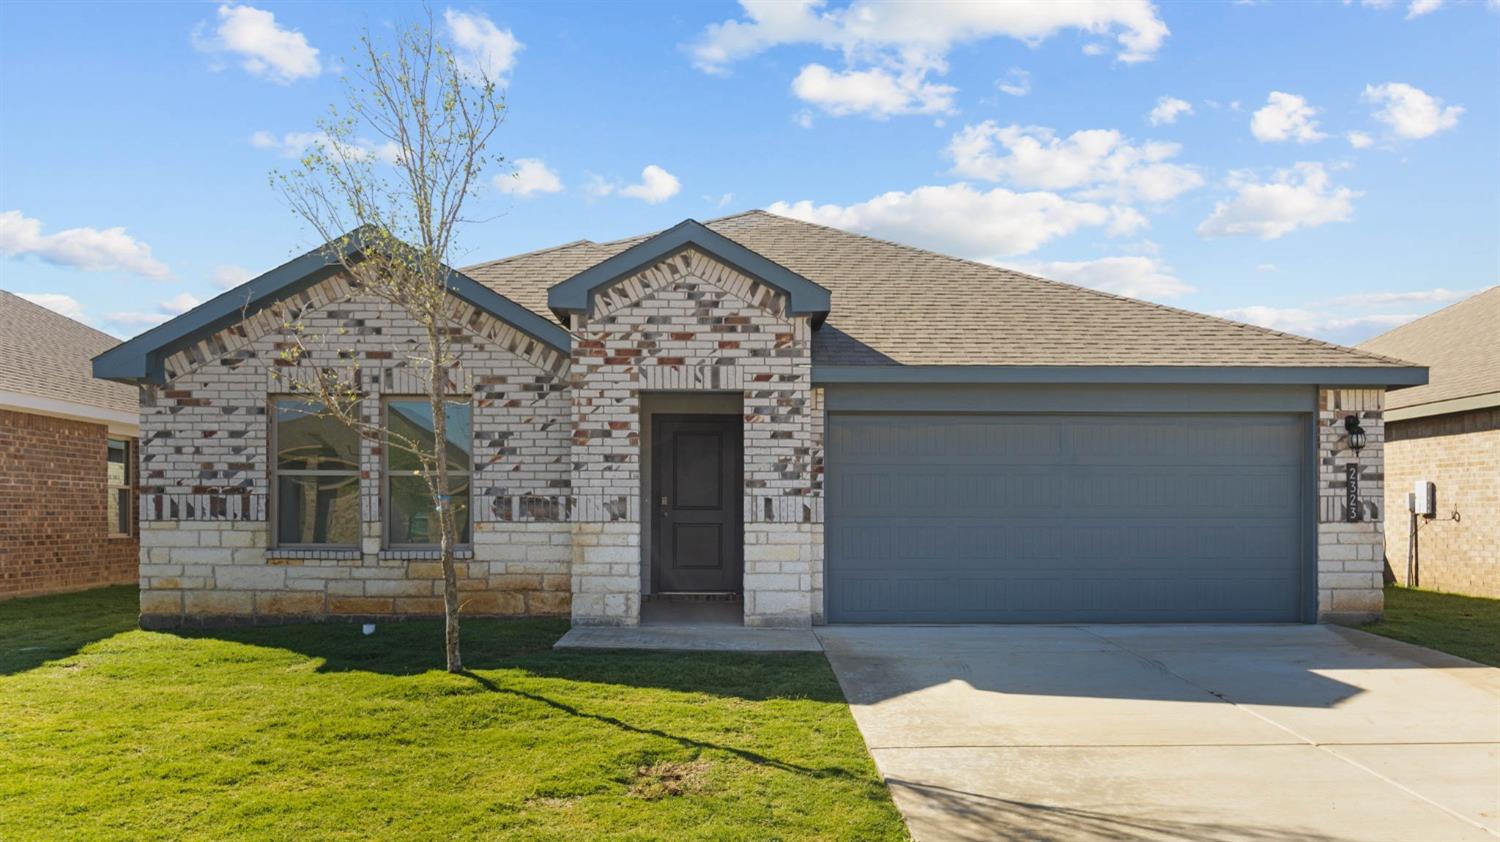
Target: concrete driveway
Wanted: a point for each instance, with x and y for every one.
(1245, 733)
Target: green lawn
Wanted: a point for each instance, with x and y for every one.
(317, 732)
(1467, 626)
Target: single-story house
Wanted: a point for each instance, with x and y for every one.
(67, 457)
(1446, 434)
(830, 427)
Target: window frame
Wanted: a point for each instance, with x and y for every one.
(274, 472)
(112, 490)
(386, 507)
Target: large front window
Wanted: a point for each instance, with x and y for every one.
(316, 476)
(410, 513)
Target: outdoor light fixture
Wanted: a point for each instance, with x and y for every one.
(1356, 433)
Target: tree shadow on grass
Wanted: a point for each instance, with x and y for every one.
(38, 629)
(413, 647)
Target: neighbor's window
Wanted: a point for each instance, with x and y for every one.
(316, 476)
(118, 471)
(410, 517)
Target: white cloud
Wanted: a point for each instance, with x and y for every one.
(924, 31)
(1418, 8)
(264, 48)
(875, 92)
(891, 46)
(296, 144)
(1438, 295)
(1411, 113)
(483, 50)
(531, 176)
(1313, 322)
(1168, 109)
(957, 219)
(229, 277)
(719, 201)
(1017, 82)
(1285, 117)
(1360, 140)
(656, 186)
(1299, 197)
(1100, 162)
(65, 305)
(135, 321)
(1266, 267)
(1137, 277)
(89, 249)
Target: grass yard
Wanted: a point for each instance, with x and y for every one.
(1466, 626)
(107, 731)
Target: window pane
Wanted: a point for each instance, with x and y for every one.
(120, 517)
(118, 465)
(306, 441)
(317, 510)
(412, 419)
(412, 517)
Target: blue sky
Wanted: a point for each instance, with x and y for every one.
(1330, 169)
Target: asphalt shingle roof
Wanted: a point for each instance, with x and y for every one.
(895, 304)
(1459, 344)
(47, 355)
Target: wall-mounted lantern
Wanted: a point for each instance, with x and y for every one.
(1356, 433)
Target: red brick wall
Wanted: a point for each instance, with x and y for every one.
(54, 531)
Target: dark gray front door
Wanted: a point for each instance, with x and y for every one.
(1065, 518)
(696, 503)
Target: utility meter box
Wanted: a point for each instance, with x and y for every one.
(1423, 498)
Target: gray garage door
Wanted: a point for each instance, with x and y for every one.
(1064, 518)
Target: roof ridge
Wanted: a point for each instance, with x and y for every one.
(532, 253)
(707, 222)
(1468, 299)
(1097, 292)
(51, 312)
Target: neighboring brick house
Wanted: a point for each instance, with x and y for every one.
(828, 427)
(67, 457)
(1447, 433)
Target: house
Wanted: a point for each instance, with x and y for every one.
(1446, 433)
(830, 427)
(67, 457)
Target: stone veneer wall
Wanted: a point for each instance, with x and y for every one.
(54, 521)
(207, 550)
(1351, 555)
(1460, 454)
(689, 323)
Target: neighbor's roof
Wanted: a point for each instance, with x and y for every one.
(899, 305)
(47, 355)
(1460, 345)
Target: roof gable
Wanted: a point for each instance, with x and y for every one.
(804, 297)
(139, 360)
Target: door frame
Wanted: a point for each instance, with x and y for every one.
(737, 506)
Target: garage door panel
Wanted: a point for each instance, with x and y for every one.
(1132, 518)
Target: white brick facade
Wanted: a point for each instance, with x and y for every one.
(1351, 554)
(558, 459)
(691, 324)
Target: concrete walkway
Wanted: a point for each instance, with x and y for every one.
(1239, 733)
(690, 638)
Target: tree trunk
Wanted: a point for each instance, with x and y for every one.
(438, 392)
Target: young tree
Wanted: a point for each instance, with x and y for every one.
(385, 187)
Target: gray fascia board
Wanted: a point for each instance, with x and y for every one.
(138, 360)
(572, 295)
(1366, 376)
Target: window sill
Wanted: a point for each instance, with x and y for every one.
(423, 554)
(307, 553)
